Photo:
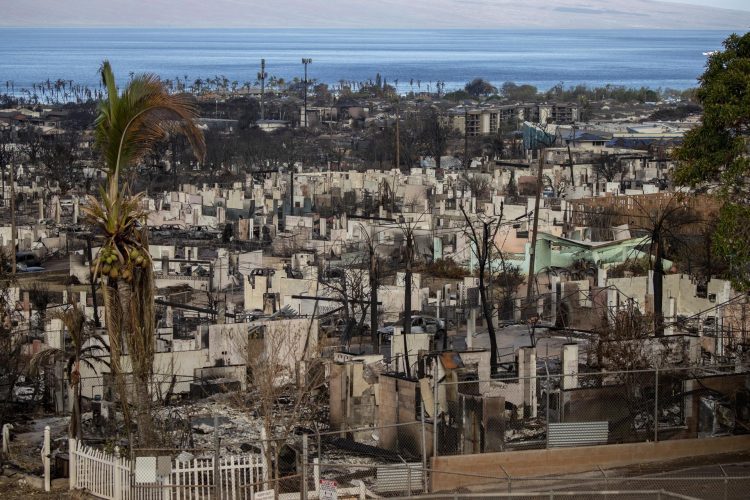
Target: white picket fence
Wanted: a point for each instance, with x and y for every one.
(111, 477)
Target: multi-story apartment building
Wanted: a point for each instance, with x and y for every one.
(489, 119)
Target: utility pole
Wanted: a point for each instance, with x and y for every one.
(174, 163)
(291, 190)
(407, 296)
(532, 251)
(466, 138)
(13, 234)
(262, 77)
(374, 298)
(398, 138)
(306, 61)
(570, 155)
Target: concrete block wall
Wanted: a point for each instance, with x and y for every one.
(465, 471)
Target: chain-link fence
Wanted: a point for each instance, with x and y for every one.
(705, 482)
(552, 495)
(556, 410)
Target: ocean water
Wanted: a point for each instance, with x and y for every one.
(417, 59)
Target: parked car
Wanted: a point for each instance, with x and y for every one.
(28, 259)
(337, 327)
(419, 324)
(24, 268)
(204, 233)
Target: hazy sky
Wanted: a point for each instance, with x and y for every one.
(724, 4)
(578, 14)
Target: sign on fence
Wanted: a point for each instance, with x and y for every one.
(328, 489)
(145, 470)
(265, 495)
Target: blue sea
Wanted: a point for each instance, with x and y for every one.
(416, 59)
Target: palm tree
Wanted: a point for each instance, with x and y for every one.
(663, 225)
(86, 346)
(127, 128)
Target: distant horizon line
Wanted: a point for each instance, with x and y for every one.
(339, 28)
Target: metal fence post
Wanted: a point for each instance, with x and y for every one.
(548, 385)
(316, 476)
(656, 405)
(217, 455)
(726, 482)
(424, 449)
(303, 488)
(408, 480)
(435, 413)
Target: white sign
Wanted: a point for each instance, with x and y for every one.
(265, 495)
(145, 470)
(328, 489)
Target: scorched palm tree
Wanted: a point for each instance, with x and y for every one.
(86, 348)
(127, 128)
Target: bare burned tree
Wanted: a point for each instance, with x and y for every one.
(284, 381)
(373, 275)
(662, 225)
(609, 167)
(478, 184)
(350, 285)
(434, 134)
(407, 228)
(481, 231)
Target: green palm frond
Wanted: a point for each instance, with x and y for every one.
(130, 123)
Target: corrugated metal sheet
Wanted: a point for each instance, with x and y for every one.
(577, 434)
(397, 478)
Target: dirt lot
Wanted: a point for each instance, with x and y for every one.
(11, 489)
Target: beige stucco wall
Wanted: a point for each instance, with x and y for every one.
(537, 463)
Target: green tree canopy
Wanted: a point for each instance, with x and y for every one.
(715, 155)
(480, 88)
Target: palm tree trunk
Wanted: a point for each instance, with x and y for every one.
(74, 428)
(658, 288)
(136, 297)
(114, 317)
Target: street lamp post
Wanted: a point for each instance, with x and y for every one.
(305, 62)
(262, 77)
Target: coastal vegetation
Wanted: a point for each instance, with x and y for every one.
(714, 155)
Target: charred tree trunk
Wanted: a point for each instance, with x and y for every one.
(407, 300)
(658, 287)
(487, 312)
(374, 302)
